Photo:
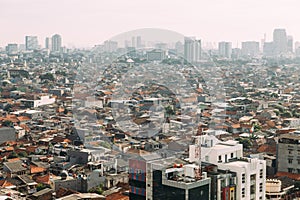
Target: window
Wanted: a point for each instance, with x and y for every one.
(299, 161)
(206, 158)
(260, 187)
(220, 157)
(231, 155)
(298, 171)
(261, 173)
(252, 189)
(243, 192)
(290, 161)
(290, 170)
(243, 178)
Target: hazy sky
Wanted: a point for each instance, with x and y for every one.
(89, 22)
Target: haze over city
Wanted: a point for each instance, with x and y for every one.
(84, 24)
(149, 100)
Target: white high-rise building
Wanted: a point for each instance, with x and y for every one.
(56, 43)
(225, 49)
(192, 49)
(280, 41)
(251, 172)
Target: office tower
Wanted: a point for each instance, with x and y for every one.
(133, 42)
(263, 43)
(250, 48)
(47, 43)
(56, 43)
(31, 42)
(225, 49)
(280, 41)
(290, 44)
(288, 153)
(236, 53)
(12, 48)
(192, 49)
(269, 49)
(179, 48)
(110, 46)
(138, 42)
(162, 46)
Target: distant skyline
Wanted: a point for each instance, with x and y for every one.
(87, 23)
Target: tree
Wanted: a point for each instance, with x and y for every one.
(7, 123)
(22, 154)
(47, 76)
(169, 111)
(66, 111)
(98, 189)
(245, 142)
(13, 155)
(40, 186)
(257, 127)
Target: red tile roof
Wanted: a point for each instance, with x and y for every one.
(5, 183)
(290, 175)
(36, 169)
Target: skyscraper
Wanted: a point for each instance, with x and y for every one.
(12, 48)
(192, 49)
(280, 41)
(290, 43)
(269, 49)
(225, 49)
(47, 43)
(250, 48)
(31, 42)
(56, 43)
(133, 43)
(110, 46)
(138, 42)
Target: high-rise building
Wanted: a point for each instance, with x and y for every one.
(56, 43)
(179, 47)
(192, 49)
(31, 42)
(225, 49)
(297, 45)
(154, 177)
(269, 49)
(12, 48)
(250, 172)
(47, 43)
(110, 46)
(280, 41)
(138, 41)
(250, 48)
(287, 153)
(133, 42)
(290, 43)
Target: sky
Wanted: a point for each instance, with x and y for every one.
(85, 23)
